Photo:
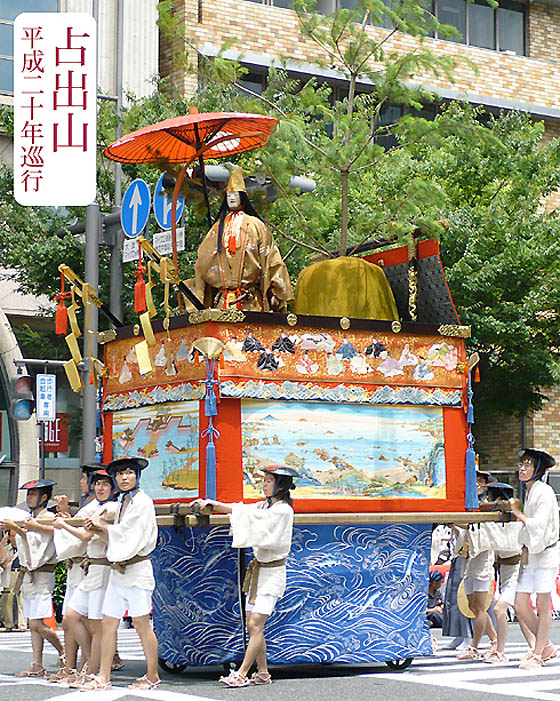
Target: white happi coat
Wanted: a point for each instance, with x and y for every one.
(502, 538)
(135, 533)
(269, 532)
(540, 532)
(68, 546)
(34, 550)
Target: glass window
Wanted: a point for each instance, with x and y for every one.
(253, 81)
(510, 30)
(283, 3)
(6, 39)
(10, 9)
(454, 12)
(481, 26)
(7, 74)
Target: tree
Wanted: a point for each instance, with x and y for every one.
(501, 252)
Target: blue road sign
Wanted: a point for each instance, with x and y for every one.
(162, 205)
(135, 208)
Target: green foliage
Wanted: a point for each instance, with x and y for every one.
(502, 250)
(59, 590)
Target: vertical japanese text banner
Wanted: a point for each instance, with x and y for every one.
(55, 95)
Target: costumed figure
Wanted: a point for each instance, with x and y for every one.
(377, 349)
(422, 370)
(334, 364)
(267, 528)
(407, 358)
(390, 367)
(267, 361)
(125, 374)
(37, 555)
(82, 619)
(251, 344)
(239, 265)
(283, 344)
(182, 351)
(504, 539)
(130, 540)
(346, 349)
(233, 351)
(540, 557)
(434, 610)
(478, 575)
(306, 366)
(11, 605)
(360, 365)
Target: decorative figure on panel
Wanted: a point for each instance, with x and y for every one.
(306, 366)
(268, 361)
(283, 344)
(251, 344)
(239, 265)
(377, 349)
(233, 351)
(422, 370)
(334, 364)
(346, 350)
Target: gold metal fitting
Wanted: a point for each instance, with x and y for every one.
(291, 319)
(345, 323)
(396, 326)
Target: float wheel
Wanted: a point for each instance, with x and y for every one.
(172, 667)
(399, 665)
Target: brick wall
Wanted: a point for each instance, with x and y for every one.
(272, 31)
(544, 32)
(498, 443)
(546, 423)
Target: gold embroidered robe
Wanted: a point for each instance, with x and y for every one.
(248, 274)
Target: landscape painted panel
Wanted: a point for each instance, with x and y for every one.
(346, 451)
(167, 436)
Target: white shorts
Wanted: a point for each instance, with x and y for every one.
(264, 603)
(119, 600)
(89, 603)
(509, 575)
(38, 606)
(68, 598)
(541, 580)
(472, 585)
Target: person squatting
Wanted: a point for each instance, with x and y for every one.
(109, 571)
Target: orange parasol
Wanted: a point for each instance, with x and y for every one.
(185, 139)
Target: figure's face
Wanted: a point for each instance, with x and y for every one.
(526, 467)
(103, 489)
(233, 200)
(33, 496)
(83, 483)
(481, 484)
(268, 485)
(126, 479)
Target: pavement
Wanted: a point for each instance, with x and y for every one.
(436, 678)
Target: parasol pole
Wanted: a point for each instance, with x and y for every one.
(203, 179)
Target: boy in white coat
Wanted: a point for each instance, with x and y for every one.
(267, 528)
(539, 538)
(130, 540)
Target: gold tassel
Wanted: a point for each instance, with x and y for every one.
(72, 317)
(147, 328)
(72, 344)
(150, 306)
(73, 375)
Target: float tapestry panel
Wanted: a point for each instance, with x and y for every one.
(419, 369)
(167, 436)
(354, 595)
(348, 451)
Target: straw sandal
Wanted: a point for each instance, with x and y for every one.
(95, 684)
(235, 680)
(144, 683)
(260, 678)
(532, 662)
(494, 657)
(34, 670)
(471, 653)
(549, 651)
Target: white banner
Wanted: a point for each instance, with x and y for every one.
(55, 96)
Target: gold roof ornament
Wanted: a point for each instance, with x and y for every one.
(209, 347)
(236, 181)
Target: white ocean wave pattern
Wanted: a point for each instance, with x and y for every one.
(354, 595)
(158, 395)
(341, 393)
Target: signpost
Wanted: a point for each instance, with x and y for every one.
(45, 407)
(162, 205)
(135, 209)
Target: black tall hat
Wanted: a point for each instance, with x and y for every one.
(37, 484)
(547, 460)
(90, 467)
(121, 464)
(486, 476)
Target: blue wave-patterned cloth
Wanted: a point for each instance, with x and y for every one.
(354, 595)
